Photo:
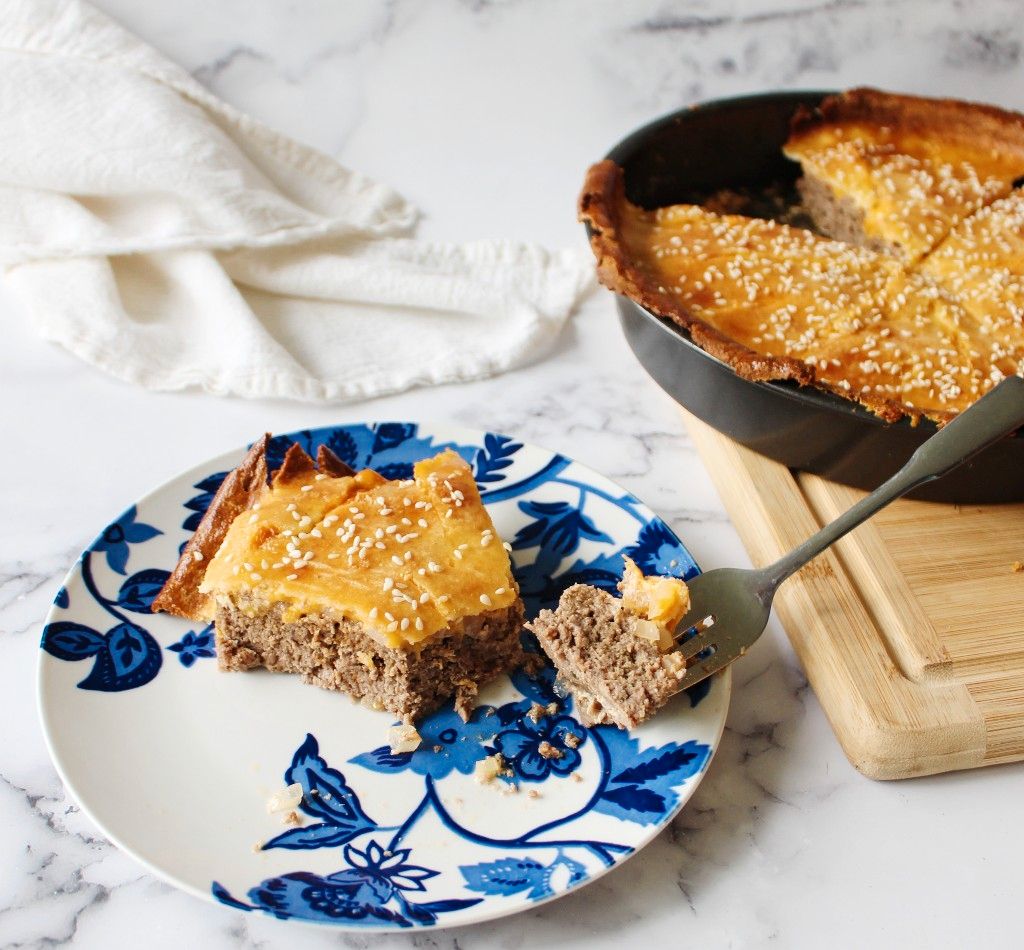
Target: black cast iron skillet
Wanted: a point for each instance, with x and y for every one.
(737, 144)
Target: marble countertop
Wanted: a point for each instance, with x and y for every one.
(485, 114)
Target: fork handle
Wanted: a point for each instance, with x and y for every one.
(992, 417)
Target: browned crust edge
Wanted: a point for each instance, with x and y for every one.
(600, 206)
(984, 126)
(330, 464)
(180, 594)
(296, 466)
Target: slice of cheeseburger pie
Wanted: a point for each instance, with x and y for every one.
(397, 592)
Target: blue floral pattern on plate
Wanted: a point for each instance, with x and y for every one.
(571, 803)
(194, 646)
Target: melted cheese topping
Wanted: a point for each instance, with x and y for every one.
(404, 558)
(982, 262)
(912, 188)
(871, 328)
(660, 601)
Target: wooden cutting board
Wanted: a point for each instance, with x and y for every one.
(910, 629)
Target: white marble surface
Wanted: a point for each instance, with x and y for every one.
(486, 113)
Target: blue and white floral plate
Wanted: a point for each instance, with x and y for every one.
(175, 761)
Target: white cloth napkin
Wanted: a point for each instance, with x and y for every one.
(172, 241)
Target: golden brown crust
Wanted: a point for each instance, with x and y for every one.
(330, 464)
(951, 121)
(601, 205)
(297, 466)
(180, 594)
(909, 168)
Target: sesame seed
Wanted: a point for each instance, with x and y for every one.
(384, 511)
(235, 570)
(395, 559)
(424, 597)
(407, 556)
(485, 600)
(315, 533)
(422, 522)
(291, 506)
(393, 626)
(319, 477)
(406, 502)
(197, 555)
(373, 613)
(333, 555)
(264, 564)
(306, 488)
(380, 545)
(389, 582)
(499, 591)
(419, 623)
(256, 577)
(293, 577)
(307, 556)
(248, 566)
(405, 623)
(388, 616)
(507, 546)
(253, 519)
(305, 520)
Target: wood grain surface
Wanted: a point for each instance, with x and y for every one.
(910, 629)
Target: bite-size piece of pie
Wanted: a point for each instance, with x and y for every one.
(617, 656)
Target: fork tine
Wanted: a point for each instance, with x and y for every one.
(698, 642)
(704, 669)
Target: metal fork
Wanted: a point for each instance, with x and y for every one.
(729, 607)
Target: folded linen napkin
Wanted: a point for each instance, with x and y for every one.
(172, 241)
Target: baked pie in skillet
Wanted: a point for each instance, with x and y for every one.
(908, 297)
